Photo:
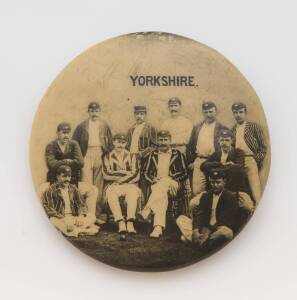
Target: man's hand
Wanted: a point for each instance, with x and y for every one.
(173, 189)
(155, 180)
(196, 236)
(68, 161)
(79, 221)
(58, 216)
(228, 163)
(122, 179)
(199, 238)
(69, 227)
(125, 172)
(191, 166)
(245, 202)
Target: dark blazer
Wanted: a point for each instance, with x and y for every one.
(81, 135)
(55, 158)
(54, 204)
(178, 204)
(227, 211)
(254, 138)
(177, 168)
(147, 139)
(191, 148)
(235, 174)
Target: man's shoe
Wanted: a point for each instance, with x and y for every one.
(91, 230)
(157, 232)
(184, 239)
(122, 226)
(130, 228)
(122, 230)
(99, 221)
(123, 236)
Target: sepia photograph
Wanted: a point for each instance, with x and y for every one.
(150, 151)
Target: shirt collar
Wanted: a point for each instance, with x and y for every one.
(169, 151)
(242, 125)
(217, 195)
(62, 146)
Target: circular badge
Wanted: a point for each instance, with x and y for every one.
(150, 151)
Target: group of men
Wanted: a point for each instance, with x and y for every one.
(206, 175)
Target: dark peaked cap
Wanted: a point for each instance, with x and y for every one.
(164, 133)
(139, 108)
(226, 133)
(64, 126)
(63, 169)
(120, 136)
(174, 100)
(238, 105)
(208, 105)
(94, 105)
(217, 174)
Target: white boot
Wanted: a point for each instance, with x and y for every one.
(130, 227)
(122, 226)
(157, 232)
(90, 230)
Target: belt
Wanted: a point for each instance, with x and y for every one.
(249, 155)
(178, 145)
(201, 156)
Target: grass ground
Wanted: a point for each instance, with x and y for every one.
(138, 252)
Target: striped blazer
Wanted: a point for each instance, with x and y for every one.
(254, 138)
(54, 204)
(125, 168)
(147, 139)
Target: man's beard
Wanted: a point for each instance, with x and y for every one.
(215, 191)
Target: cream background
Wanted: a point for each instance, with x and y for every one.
(38, 39)
(103, 71)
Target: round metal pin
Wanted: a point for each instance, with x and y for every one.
(150, 151)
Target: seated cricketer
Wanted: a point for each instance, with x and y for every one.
(230, 160)
(121, 171)
(64, 151)
(216, 219)
(65, 207)
(165, 170)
